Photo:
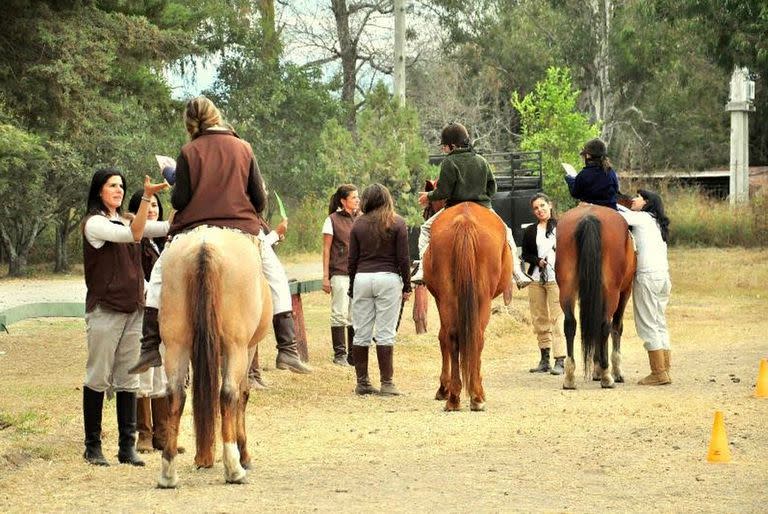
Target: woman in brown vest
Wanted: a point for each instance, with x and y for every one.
(342, 212)
(113, 308)
(217, 183)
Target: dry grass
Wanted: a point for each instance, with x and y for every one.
(316, 446)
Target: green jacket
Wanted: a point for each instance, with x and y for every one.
(464, 177)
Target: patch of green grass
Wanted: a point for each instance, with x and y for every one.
(24, 423)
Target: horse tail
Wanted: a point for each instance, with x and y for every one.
(204, 291)
(591, 299)
(468, 287)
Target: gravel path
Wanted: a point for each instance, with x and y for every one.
(72, 288)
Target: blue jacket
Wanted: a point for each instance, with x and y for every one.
(595, 185)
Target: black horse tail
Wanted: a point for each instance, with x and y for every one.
(468, 287)
(204, 289)
(591, 298)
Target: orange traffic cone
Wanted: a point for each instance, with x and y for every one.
(718, 444)
(761, 390)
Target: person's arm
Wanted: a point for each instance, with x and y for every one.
(155, 229)
(256, 187)
(327, 241)
(182, 190)
(530, 252)
(403, 259)
(571, 181)
(490, 184)
(445, 182)
(352, 258)
(99, 230)
(140, 220)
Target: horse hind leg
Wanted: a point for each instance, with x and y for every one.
(242, 437)
(454, 389)
(617, 329)
(569, 329)
(606, 378)
(169, 478)
(445, 371)
(235, 367)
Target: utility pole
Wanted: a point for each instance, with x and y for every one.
(740, 105)
(400, 51)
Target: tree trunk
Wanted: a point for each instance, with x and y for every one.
(602, 94)
(62, 259)
(18, 244)
(270, 50)
(348, 52)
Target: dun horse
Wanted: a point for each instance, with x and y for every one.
(215, 308)
(467, 264)
(596, 261)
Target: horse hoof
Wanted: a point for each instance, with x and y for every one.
(164, 483)
(619, 379)
(477, 407)
(607, 385)
(452, 407)
(238, 477)
(569, 387)
(441, 395)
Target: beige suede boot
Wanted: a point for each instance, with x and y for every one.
(659, 375)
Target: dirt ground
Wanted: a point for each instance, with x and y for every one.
(318, 447)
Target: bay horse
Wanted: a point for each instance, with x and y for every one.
(215, 307)
(467, 264)
(596, 261)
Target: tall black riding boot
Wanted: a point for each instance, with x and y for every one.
(126, 428)
(285, 335)
(150, 343)
(386, 370)
(339, 348)
(350, 339)
(93, 402)
(543, 366)
(361, 370)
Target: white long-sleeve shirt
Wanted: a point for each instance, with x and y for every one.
(651, 248)
(100, 229)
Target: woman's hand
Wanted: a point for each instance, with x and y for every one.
(327, 285)
(542, 263)
(406, 296)
(151, 189)
(282, 228)
(423, 199)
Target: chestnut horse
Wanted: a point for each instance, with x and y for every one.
(596, 261)
(467, 264)
(215, 307)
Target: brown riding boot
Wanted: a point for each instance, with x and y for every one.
(658, 374)
(144, 424)
(255, 381)
(384, 354)
(160, 412)
(150, 343)
(339, 348)
(350, 339)
(361, 371)
(667, 361)
(287, 352)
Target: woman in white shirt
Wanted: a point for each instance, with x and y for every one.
(114, 307)
(652, 285)
(543, 294)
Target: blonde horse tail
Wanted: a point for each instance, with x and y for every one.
(468, 289)
(204, 291)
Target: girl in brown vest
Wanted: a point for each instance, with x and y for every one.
(342, 212)
(113, 308)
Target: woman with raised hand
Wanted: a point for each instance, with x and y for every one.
(113, 308)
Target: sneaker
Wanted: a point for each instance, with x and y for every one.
(417, 276)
